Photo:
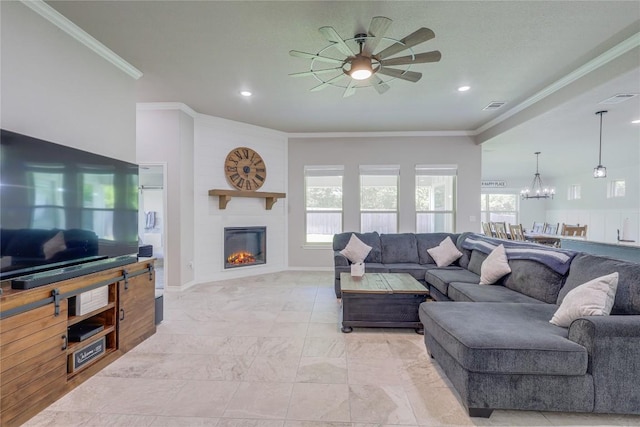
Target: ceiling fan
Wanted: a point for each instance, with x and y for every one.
(363, 66)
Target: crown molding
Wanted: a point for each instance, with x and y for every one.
(60, 21)
(396, 134)
(603, 59)
(148, 106)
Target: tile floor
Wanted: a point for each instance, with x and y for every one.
(268, 352)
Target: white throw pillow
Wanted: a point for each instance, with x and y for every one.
(445, 253)
(494, 266)
(356, 251)
(54, 245)
(594, 298)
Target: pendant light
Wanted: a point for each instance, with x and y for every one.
(537, 189)
(600, 171)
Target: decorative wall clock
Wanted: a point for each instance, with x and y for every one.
(245, 169)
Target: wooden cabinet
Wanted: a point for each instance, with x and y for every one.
(136, 321)
(33, 361)
(38, 361)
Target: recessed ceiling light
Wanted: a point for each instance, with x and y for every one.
(635, 122)
(464, 88)
(245, 93)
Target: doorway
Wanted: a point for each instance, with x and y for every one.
(152, 215)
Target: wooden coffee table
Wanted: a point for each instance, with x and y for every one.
(382, 300)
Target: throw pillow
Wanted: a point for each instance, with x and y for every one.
(593, 298)
(356, 250)
(494, 266)
(445, 253)
(54, 245)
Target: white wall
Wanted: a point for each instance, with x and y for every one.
(166, 136)
(601, 214)
(55, 88)
(404, 151)
(214, 139)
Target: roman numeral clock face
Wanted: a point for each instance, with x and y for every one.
(245, 169)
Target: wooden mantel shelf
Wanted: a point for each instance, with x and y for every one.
(225, 195)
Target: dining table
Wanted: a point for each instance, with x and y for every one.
(543, 239)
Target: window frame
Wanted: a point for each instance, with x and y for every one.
(379, 171)
(485, 212)
(329, 171)
(437, 171)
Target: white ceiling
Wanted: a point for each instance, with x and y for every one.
(203, 53)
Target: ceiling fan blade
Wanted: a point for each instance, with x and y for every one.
(314, 56)
(380, 86)
(419, 36)
(327, 83)
(314, 72)
(411, 76)
(419, 58)
(350, 90)
(332, 35)
(377, 29)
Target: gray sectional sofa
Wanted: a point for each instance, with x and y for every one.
(495, 342)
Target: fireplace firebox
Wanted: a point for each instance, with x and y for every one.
(245, 246)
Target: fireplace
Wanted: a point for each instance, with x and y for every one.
(244, 246)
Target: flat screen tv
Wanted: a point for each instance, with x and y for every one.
(62, 207)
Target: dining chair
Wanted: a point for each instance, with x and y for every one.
(564, 226)
(486, 229)
(500, 230)
(575, 231)
(538, 228)
(551, 228)
(517, 233)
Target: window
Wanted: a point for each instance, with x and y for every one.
(616, 188)
(499, 208)
(379, 198)
(574, 192)
(435, 198)
(323, 202)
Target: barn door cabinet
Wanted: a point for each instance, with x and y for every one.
(50, 342)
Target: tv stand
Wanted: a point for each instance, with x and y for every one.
(39, 361)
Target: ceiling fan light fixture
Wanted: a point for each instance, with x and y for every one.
(361, 68)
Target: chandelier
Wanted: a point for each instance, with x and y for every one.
(537, 189)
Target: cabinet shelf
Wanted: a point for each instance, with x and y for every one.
(224, 196)
(76, 345)
(77, 319)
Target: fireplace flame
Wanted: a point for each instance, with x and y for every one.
(241, 258)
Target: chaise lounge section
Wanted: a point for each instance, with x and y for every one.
(496, 345)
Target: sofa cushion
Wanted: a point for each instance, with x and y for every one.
(372, 239)
(356, 250)
(594, 298)
(470, 292)
(427, 241)
(441, 277)
(503, 338)
(585, 267)
(445, 253)
(534, 279)
(475, 261)
(416, 270)
(399, 248)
